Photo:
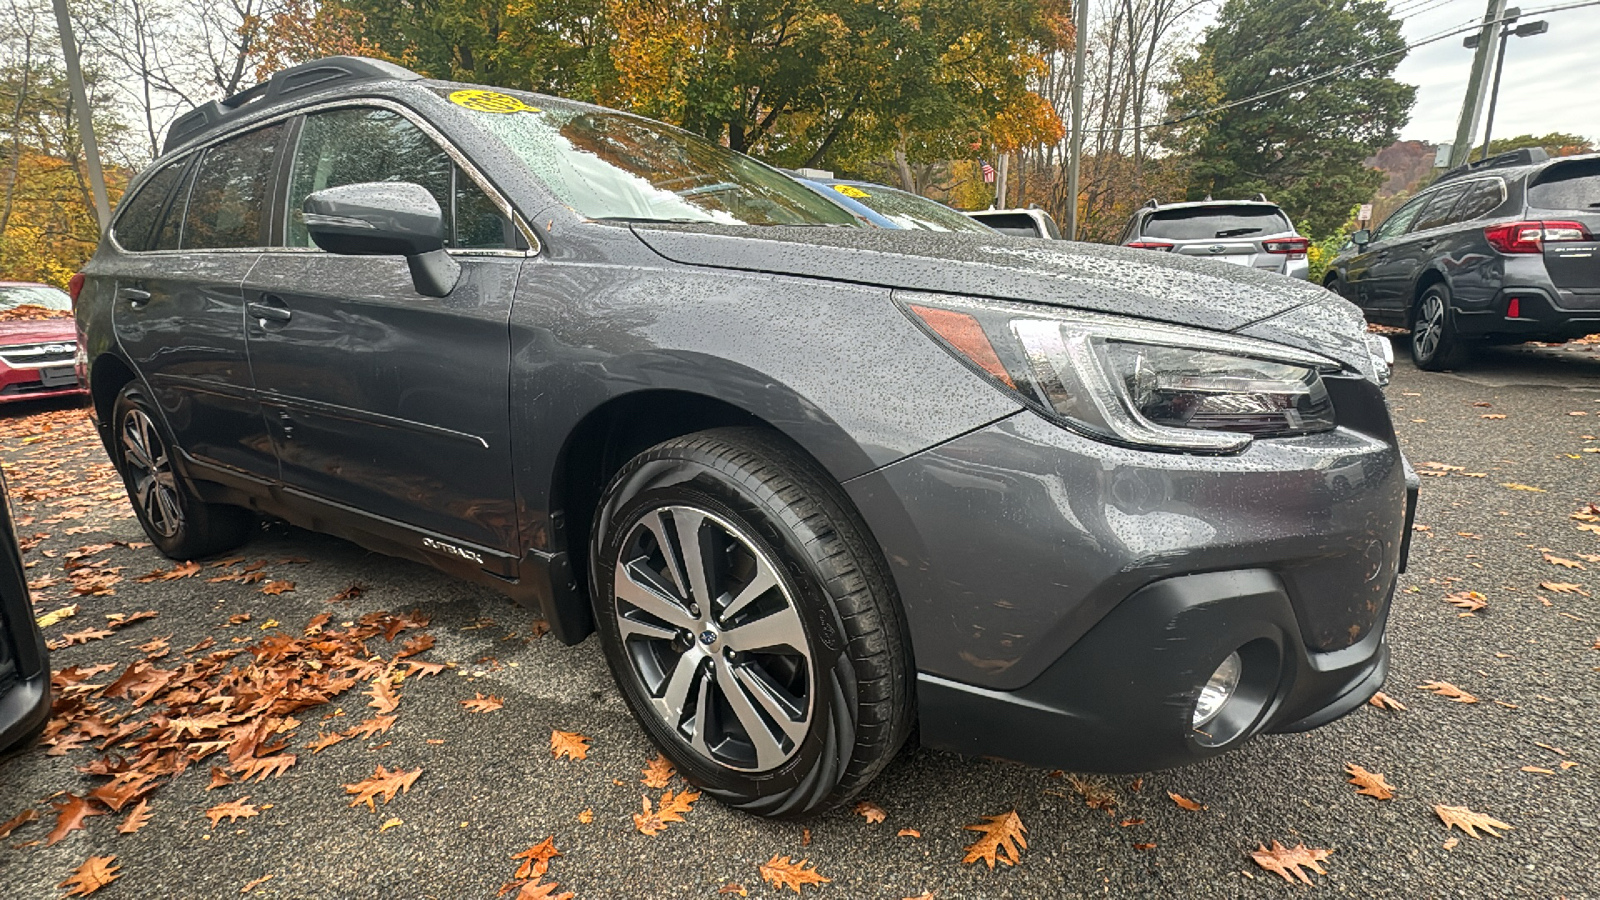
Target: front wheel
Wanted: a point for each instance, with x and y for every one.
(1435, 344)
(178, 523)
(750, 623)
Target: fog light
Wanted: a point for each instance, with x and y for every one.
(1219, 687)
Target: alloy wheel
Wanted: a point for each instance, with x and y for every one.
(149, 472)
(1429, 328)
(715, 638)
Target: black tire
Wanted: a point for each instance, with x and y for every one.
(1435, 344)
(1333, 283)
(178, 522)
(768, 514)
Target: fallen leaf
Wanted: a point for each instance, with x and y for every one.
(544, 891)
(1451, 844)
(1492, 416)
(1467, 820)
(1151, 845)
(391, 823)
(138, 817)
(369, 727)
(1369, 783)
(658, 772)
(908, 832)
(1384, 701)
(673, 806)
(926, 895)
(70, 814)
(781, 873)
(1446, 689)
(263, 766)
(324, 741)
(1565, 563)
(274, 588)
(252, 885)
(93, 875)
(536, 859)
(382, 783)
(585, 817)
(1521, 487)
(17, 821)
(1537, 770)
(482, 704)
(569, 744)
(51, 618)
(1289, 863)
(1003, 839)
(1471, 601)
(1185, 802)
(733, 889)
(384, 699)
(233, 811)
(870, 811)
(1563, 587)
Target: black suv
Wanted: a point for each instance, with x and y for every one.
(1502, 250)
(1073, 505)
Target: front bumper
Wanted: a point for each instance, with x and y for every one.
(27, 383)
(1123, 698)
(1086, 591)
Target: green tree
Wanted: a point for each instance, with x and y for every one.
(1555, 143)
(1304, 148)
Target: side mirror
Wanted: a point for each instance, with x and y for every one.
(385, 219)
(1361, 238)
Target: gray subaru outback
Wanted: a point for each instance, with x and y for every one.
(1252, 233)
(807, 483)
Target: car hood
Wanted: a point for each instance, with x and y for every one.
(1138, 283)
(32, 331)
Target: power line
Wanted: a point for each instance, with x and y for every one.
(1431, 39)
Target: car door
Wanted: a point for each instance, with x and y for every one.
(379, 399)
(193, 233)
(1372, 271)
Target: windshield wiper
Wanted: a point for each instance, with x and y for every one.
(1235, 232)
(678, 221)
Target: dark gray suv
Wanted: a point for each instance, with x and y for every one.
(1504, 250)
(809, 482)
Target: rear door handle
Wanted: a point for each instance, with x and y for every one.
(135, 297)
(269, 309)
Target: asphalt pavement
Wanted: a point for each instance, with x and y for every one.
(490, 786)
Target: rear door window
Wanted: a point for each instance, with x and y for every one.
(1437, 211)
(364, 144)
(1481, 198)
(1211, 223)
(140, 214)
(1573, 186)
(230, 191)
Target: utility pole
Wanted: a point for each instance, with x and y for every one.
(80, 99)
(1477, 84)
(1526, 29)
(1080, 41)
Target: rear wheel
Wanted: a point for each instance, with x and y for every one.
(178, 523)
(749, 622)
(1435, 344)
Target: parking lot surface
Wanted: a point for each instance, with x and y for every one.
(1511, 449)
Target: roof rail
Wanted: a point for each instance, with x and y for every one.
(1262, 197)
(1152, 203)
(1526, 156)
(282, 85)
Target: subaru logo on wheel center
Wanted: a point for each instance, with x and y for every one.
(708, 637)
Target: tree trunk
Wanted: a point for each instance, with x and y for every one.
(16, 134)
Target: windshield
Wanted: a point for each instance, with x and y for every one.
(609, 165)
(1202, 223)
(910, 210)
(14, 296)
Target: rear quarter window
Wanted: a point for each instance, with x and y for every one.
(1567, 186)
(139, 215)
(1209, 223)
(1481, 198)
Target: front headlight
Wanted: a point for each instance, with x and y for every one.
(1145, 384)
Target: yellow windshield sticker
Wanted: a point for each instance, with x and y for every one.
(489, 102)
(851, 191)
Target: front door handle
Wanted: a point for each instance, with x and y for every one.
(135, 297)
(270, 309)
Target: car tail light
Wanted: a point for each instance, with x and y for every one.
(1530, 237)
(74, 288)
(1294, 248)
(1149, 245)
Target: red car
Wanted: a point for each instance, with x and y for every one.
(38, 342)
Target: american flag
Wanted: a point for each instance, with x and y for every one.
(988, 172)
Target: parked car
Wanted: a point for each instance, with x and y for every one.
(1502, 250)
(887, 207)
(1034, 223)
(1251, 233)
(810, 483)
(24, 663)
(38, 342)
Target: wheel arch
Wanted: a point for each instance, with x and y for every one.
(1429, 277)
(108, 375)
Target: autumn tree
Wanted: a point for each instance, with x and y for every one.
(1303, 147)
